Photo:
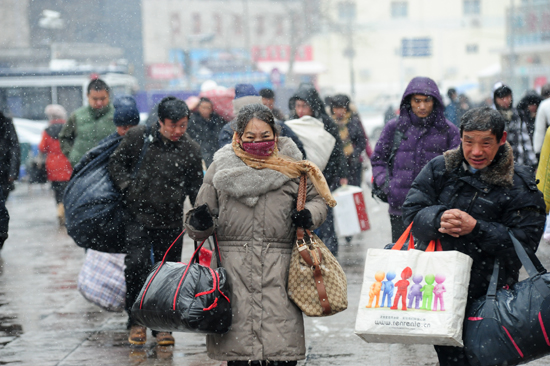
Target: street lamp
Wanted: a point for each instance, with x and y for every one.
(51, 20)
(347, 13)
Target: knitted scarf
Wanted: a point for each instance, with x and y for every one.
(344, 133)
(287, 166)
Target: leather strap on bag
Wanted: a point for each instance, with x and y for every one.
(313, 258)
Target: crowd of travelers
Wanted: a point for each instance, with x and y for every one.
(460, 174)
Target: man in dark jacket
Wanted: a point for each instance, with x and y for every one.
(352, 133)
(425, 134)
(307, 102)
(527, 110)
(170, 170)
(204, 127)
(451, 111)
(10, 155)
(469, 198)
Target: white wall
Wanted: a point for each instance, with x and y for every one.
(379, 69)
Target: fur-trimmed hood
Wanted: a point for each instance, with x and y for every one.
(247, 184)
(500, 172)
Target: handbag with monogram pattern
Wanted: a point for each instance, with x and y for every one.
(317, 283)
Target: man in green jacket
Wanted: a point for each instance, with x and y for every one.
(89, 124)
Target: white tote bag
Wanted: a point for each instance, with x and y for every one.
(101, 280)
(413, 297)
(318, 143)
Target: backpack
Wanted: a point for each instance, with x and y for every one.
(380, 191)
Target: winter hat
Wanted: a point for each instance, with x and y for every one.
(245, 90)
(245, 94)
(55, 112)
(501, 90)
(126, 112)
(340, 101)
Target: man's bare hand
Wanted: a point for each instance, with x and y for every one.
(456, 223)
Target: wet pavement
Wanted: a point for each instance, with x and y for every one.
(45, 321)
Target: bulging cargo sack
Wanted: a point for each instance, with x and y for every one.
(94, 212)
(178, 297)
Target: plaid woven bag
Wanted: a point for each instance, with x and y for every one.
(101, 280)
(317, 283)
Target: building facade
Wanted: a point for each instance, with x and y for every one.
(189, 41)
(452, 41)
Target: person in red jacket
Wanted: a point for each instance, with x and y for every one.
(58, 166)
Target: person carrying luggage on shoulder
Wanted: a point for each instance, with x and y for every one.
(469, 198)
(170, 170)
(89, 124)
(307, 102)
(407, 143)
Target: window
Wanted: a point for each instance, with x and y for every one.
(175, 24)
(218, 25)
(346, 10)
(238, 24)
(472, 7)
(399, 9)
(471, 48)
(260, 25)
(279, 25)
(196, 23)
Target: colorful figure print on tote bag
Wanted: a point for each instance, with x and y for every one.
(387, 288)
(415, 293)
(427, 294)
(375, 289)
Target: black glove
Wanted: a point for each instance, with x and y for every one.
(200, 218)
(301, 218)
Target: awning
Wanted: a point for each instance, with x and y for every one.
(300, 67)
(492, 70)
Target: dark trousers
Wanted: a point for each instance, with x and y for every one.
(397, 227)
(451, 356)
(58, 190)
(327, 234)
(139, 241)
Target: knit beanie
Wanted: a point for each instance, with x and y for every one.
(245, 94)
(126, 112)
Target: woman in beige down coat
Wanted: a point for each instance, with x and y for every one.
(256, 225)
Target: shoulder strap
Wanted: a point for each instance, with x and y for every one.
(397, 138)
(146, 142)
(301, 203)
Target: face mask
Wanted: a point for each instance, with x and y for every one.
(264, 148)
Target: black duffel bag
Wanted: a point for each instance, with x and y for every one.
(510, 326)
(177, 297)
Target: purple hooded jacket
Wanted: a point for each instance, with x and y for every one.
(423, 140)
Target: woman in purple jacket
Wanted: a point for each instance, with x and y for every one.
(424, 134)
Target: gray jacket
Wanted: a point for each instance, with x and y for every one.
(256, 235)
